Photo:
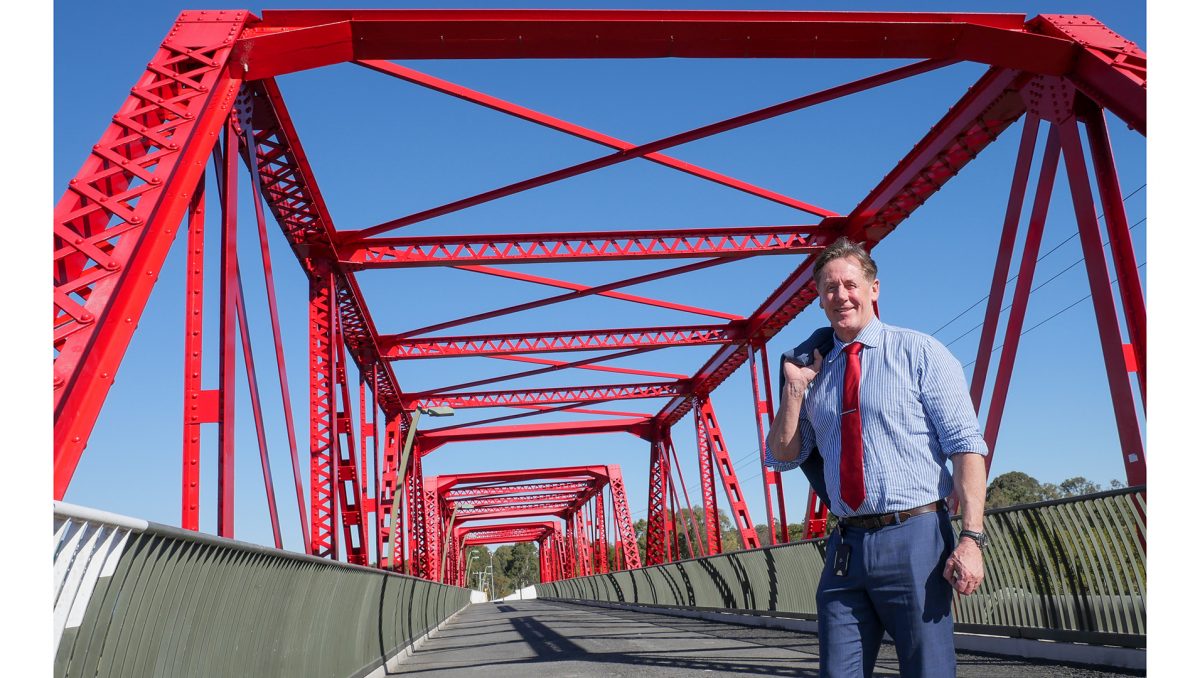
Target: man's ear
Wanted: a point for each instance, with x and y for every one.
(875, 290)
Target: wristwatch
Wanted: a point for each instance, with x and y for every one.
(979, 537)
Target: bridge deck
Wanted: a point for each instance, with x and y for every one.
(520, 638)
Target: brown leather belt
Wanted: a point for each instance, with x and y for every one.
(879, 520)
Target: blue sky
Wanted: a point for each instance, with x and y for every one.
(382, 148)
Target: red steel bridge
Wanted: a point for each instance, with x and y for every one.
(209, 95)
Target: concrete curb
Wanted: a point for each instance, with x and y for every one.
(393, 664)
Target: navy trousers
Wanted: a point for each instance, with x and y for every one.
(894, 584)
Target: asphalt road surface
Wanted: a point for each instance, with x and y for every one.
(558, 640)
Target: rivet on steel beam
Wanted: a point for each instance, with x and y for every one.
(135, 219)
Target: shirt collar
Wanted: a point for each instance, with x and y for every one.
(871, 336)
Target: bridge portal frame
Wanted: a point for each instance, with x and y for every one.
(214, 73)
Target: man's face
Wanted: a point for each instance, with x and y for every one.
(847, 296)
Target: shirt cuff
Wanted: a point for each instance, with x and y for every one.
(776, 465)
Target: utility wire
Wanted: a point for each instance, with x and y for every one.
(1051, 251)
(1054, 315)
(1040, 286)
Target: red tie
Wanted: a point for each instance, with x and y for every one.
(854, 489)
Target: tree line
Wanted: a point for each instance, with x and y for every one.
(516, 565)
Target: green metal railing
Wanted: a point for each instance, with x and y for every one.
(139, 599)
(1071, 570)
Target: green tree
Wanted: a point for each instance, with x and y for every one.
(520, 566)
(1073, 487)
(1014, 487)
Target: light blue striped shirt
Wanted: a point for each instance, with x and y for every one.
(916, 413)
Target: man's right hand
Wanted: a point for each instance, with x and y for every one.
(783, 438)
(797, 377)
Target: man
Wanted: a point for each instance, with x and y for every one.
(885, 408)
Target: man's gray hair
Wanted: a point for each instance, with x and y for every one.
(843, 247)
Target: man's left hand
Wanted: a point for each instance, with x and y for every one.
(964, 568)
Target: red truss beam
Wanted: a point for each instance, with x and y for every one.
(514, 537)
(506, 500)
(449, 481)
(1107, 68)
(537, 396)
(560, 510)
(534, 248)
(487, 491)
(435, 438)
(294, 40)
(121, 212)
(476, 531)
(540, 342)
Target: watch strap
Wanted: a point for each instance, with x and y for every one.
(979, 538)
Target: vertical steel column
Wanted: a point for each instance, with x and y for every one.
(601, 535)
(631, 558)
(708, 489)
(733, 489)
(385, 494)
(228, 328)
(1128, 428)
(816, 517)
(346, 473)
(769, 477)
(570, 548)
(672, 536)
(432, 528)
(198, 404)
(767, 412)
(366, 505)
(1016, 316)
(418, 550)
(1129, 283)
(1008, 237)
(323, 542)
(656, 508)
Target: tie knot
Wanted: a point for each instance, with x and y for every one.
(853, 348)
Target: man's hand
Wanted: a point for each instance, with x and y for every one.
(784, 436)
(801, 377)
(964, 568)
